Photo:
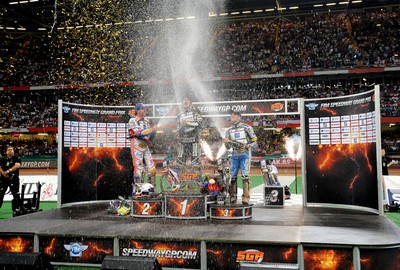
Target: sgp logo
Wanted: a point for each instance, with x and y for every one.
(250, 255)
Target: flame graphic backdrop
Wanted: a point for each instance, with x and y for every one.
(340, 143)
(96, 160)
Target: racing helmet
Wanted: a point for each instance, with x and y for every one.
(146, 190)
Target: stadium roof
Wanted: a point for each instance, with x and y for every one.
(19, 18)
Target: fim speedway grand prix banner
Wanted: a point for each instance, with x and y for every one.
(94, 151)
(341, 138)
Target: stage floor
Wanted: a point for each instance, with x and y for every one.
(290, 224)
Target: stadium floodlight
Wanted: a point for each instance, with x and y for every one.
(270, 9)
(235, 13)
(13, 3)
(258, 11)
(190, 17)
(246, 12)
(318, 5)
(330, 4)
(343, 3)
(296, 7)
(223, 14)
(23, 2)
(282, 8)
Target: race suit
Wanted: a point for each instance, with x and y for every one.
(189, 127)
(238, 135)
(141, 134)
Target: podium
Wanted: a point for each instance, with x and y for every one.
(274, 196)
(146, 207)
(230, 212)
(185, 206)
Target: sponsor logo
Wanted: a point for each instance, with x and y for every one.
(155, 253)
(75, 249)
(189, 176)
(162, 110)
(66, 109)
(250, 255)
(312, 106)
(277, 107)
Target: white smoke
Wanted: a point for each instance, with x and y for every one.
(293, 146)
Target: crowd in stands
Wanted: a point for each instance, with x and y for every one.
(326, 41)
(318, 41)
(30, 147)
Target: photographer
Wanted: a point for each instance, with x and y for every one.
(9, 169)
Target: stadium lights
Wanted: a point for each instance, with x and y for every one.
(269, 9)
(318, 5)
(138, 21)
(159, 20)
(223, 14)
(235, 13)
(296, 7)
(42, 29)
(23, 2)
(21, 28)
(190, 17)
(180, 18)
(258, 10)
(282, 8)
(343, 3)
(356, 2)
(169, 19)
(246, 12)
(330, 4)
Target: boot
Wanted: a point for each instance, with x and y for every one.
(151, 179)
(246, 190)
(233, 190)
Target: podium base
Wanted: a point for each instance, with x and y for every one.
(231, 212)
